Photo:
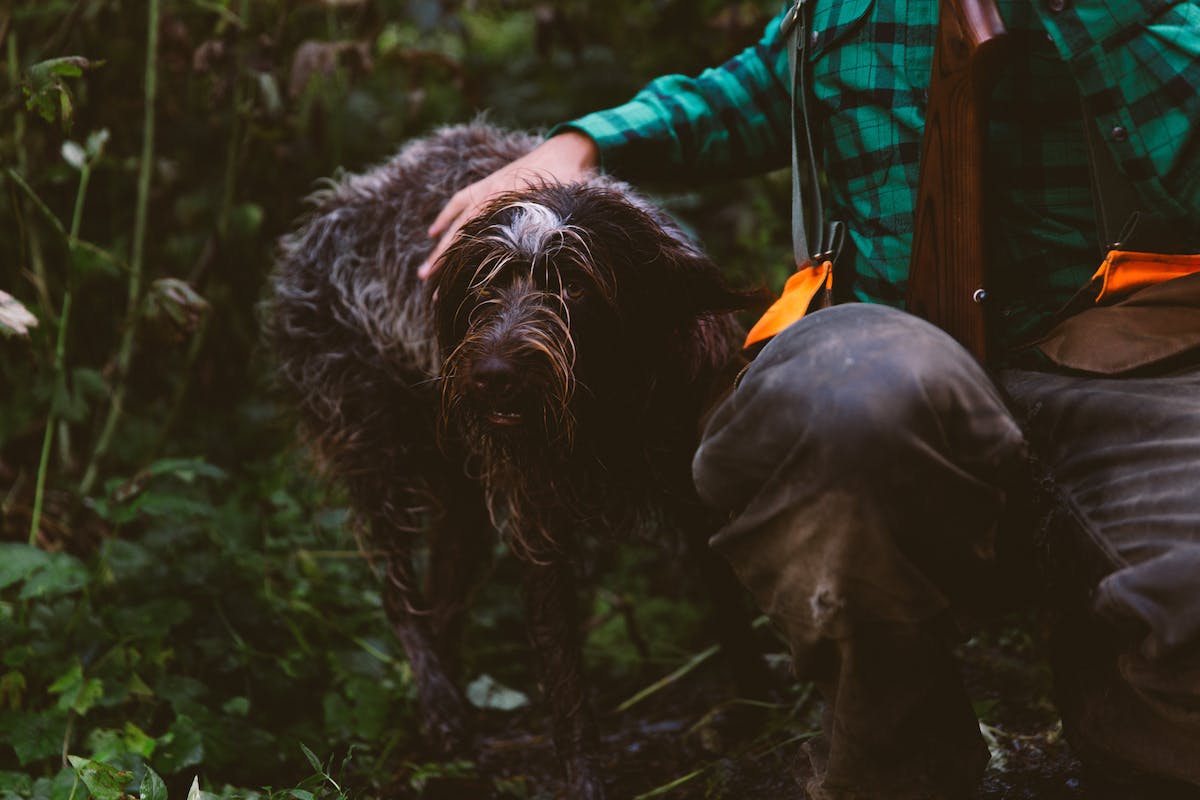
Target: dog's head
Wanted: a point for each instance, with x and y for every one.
(567, 302)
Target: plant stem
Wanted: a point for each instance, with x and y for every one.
(48, 436)
(137, 262)
(36, 259)
(60, 349)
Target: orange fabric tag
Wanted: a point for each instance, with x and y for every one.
(793, 304)
(1124, 272)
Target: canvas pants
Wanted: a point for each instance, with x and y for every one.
(878, 481)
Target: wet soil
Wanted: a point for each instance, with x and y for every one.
(696, 739)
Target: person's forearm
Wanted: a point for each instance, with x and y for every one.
(729, 120)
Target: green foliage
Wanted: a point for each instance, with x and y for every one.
(176, 588)
(48, 94)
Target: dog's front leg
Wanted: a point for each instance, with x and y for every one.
(443, 708)
(552, 607)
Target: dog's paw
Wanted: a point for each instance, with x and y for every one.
(449, 733)
(588, 787)
(444, 718)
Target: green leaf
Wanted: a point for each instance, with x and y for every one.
(77, 693)
(46, 91)
(236, 706)
(181, 746)
(153, 787)
(63, 574)
(138, 741)
(246, 219)
(12, 689)
(186, 469)
(312, 759)
(66, 108)
(19, 561)
(103, 781)
(34, 735)
(15, 782)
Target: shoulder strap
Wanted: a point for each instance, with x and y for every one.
(812, 238)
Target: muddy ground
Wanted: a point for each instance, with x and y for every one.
(695, 739)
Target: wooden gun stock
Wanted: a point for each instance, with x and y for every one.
(946, 282)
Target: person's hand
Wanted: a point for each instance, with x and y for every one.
(569, 156)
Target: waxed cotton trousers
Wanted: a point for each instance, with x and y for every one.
(878, 481)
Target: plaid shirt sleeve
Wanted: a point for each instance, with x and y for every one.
(728, 121)
(1138, 67)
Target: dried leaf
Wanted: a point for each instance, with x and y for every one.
(323, 58)
(487, 693)
(15, 319)
(177, 303)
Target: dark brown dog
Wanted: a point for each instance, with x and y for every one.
(575, 336)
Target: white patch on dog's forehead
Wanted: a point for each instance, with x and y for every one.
(532, 229)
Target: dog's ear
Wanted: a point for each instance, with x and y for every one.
(451, 285)
(697, 281)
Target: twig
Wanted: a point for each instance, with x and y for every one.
(675, 784)
(675, 675)
(137, 262)
(622, 606)
(54, 221)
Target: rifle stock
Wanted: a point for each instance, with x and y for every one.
(947, 278)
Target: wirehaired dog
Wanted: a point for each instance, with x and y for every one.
(547, 387)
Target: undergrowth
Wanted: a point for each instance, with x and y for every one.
(179, 595)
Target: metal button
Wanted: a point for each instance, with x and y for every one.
(1119, 134)
(980, 295)
(1056, 6)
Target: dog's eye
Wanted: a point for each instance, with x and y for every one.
(573, 291)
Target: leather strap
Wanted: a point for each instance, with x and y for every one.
(813, 240)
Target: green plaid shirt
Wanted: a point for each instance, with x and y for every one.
(1136, 64)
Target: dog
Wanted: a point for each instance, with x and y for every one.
(546, 386)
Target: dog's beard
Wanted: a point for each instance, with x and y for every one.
(520, 436)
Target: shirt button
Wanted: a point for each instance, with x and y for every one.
(813, 38)
(1057, 6)
(1119, 134)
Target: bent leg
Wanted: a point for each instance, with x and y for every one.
(1125, 455)
(864, 460)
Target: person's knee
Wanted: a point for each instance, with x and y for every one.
(844, 388)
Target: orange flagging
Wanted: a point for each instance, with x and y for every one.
(793, 304)
(1124, 272)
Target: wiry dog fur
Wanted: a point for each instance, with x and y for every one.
(564, 353)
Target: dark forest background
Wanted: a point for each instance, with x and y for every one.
(177, 590)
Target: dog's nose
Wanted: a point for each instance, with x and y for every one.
(494, 375)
